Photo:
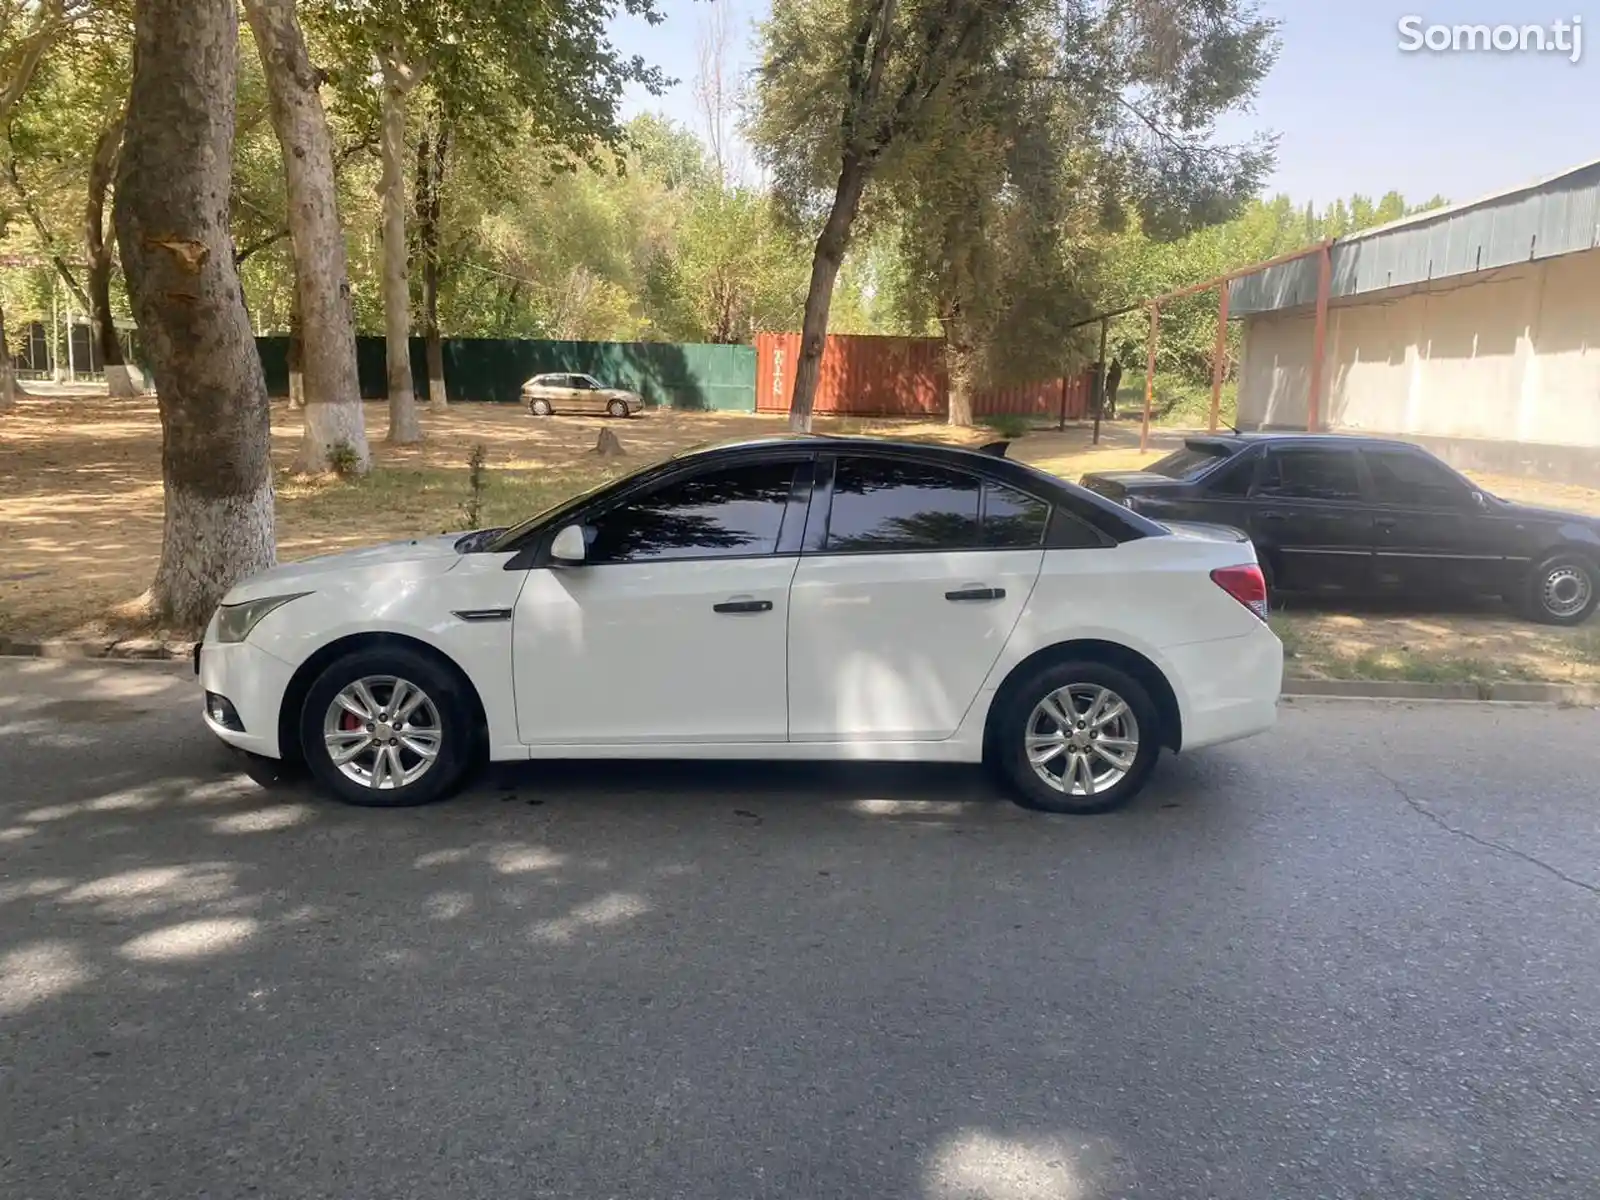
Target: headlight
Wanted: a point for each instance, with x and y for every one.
(235, 621)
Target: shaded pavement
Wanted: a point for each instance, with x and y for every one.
(1354, 958)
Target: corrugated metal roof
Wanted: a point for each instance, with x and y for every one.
(1556, 216)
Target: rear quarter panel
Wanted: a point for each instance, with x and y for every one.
(1154, 596)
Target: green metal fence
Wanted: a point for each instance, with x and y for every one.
(667, 375)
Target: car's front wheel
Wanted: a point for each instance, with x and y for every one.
(540, 408)
(1563, 590)
(1078, 738)
(386, 728)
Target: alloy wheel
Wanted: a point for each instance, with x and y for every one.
(382, 732)
(1082, 739)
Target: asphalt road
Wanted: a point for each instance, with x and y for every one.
(1355, 958)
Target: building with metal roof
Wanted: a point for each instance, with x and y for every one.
(1473, 329)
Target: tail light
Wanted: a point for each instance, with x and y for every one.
(1245, 584)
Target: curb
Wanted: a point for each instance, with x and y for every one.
(1570, 695)
(126, 650)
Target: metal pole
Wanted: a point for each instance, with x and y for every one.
(1150, 378)
(1105, 374)
(1063, 422)
(72, 364)
(1219, 357)
(1319, 340)
(55, 329)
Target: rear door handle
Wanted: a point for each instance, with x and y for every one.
(743, 606)
(970, 595)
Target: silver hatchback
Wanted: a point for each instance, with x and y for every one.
(546, 395)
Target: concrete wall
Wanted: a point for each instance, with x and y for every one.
(1512, 356)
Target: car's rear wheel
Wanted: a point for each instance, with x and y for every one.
(617, 408)
(1563, 590)
(387, 728)
(1078, 738)
(540, 408)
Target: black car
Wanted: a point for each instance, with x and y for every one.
(1345, 514)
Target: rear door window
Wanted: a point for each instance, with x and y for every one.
(1012, 520)
(1311, 473)
(1411, 480)
(888, 506)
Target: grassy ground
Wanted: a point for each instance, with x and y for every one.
(80, 518)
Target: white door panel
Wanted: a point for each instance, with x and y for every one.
(636, 652)
(895, 647)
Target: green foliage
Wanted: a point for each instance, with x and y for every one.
(1008, 426)
(344, 460)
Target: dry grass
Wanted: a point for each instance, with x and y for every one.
(80, 518)
(81, 501)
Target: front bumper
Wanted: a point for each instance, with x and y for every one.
(254, 683)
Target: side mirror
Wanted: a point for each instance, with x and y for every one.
(568, 546)
(1479, 501)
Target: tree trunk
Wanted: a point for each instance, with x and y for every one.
(102, 166)
(959, 368)
(431, 154)
(331, 395)
(825, 262)
(398, 79)
(8, 373)
(297, 358)
(171, 216)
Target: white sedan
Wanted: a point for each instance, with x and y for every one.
(786, 598)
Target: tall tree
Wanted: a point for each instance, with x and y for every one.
(433, 152)
(64, 136)
(98, 253)
(851, 90)
(499, 60)
(331, 409)
(844, 87)
(171, 216)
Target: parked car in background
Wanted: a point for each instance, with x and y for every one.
(1351, 515)
(787, 598)
(571, 393)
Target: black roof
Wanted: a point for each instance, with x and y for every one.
(841, 443)
(1291, 436)
(1106, 515)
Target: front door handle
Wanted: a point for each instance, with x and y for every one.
(974, 594)
(743, 606)
(1385, 523)
(1271, 515)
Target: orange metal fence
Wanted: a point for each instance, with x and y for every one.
(900, 377)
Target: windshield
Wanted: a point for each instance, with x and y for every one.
(1193, 461)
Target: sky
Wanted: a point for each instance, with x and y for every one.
(1353, 112)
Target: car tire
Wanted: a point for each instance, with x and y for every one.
(1025, 722)
(1562, 590)
(442, 721)
(617, 408)
(540, 408)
